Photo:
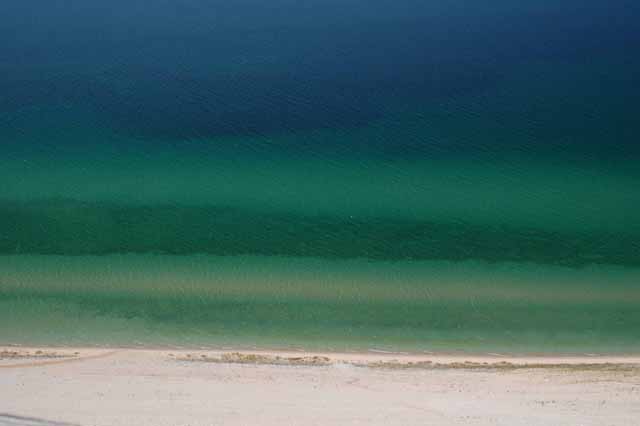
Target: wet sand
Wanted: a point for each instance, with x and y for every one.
(96, 386)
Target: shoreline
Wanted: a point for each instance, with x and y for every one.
(10, 354)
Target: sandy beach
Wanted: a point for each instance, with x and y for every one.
(91, 386)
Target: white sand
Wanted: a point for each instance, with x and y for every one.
(157, 387)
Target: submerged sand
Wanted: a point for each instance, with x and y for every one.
(95, 386)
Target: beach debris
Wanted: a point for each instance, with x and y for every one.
(240, 358)
(397, 364)
(25, 354)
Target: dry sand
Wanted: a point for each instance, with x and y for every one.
(80, 386)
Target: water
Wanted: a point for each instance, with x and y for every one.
(341, 175)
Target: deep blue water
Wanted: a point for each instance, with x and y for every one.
(557, 75)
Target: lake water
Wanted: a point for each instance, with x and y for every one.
(345, 174)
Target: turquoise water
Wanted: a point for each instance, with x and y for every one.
(332, 175)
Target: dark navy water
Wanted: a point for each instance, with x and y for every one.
(356, 173)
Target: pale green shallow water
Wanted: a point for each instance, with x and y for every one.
(248, 301)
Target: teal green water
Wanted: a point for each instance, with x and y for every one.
(237, 249)
(211, 247)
